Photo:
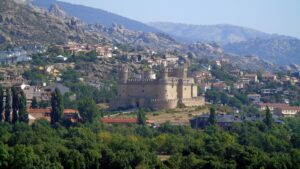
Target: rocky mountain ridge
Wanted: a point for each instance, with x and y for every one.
(91, 15)
(221, 34)
(23, 24)
(280, 50)
(26, 24)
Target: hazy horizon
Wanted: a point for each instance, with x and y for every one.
(275, 17)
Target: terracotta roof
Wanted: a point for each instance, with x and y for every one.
(272, 104)
(48, 110)
(289, 108)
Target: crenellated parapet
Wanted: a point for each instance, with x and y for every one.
(171, 89)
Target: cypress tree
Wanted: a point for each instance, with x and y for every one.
(1, 103)
(212, 120)
(15, 105)
(7, 106)
(268, 120)
(23, 114)
(141, 117)
(34, 103)
(57, 106)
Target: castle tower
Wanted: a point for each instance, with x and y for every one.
(181, 72)
(124, 74)
(164, 73)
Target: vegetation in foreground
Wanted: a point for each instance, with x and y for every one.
(95, 145)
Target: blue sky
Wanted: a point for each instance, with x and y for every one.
(272, 16)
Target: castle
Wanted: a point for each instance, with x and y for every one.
(170, 90)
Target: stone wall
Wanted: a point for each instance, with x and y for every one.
(199, 101)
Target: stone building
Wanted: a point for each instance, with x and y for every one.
(170, 90)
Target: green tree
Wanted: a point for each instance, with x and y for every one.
(23, 114)
(4, 156)
(212, 120)
(1, 103)
(57, 106)
(15, 104)
(268, 120)
(141, 117)
(7, 106)
(34, 103)
(88, 110)
(23, 157)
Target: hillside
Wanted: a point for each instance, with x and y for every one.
(96, 16)
(222, 34)
(22, 24)
(280, 50)
(276, 49)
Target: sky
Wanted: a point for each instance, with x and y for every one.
(271, 16)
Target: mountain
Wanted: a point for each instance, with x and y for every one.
(95, 16)
(237, 40)
(222, 34)
(278, 49)
(22, 24)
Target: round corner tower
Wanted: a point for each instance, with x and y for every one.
(124, 74)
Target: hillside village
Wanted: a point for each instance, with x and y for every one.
(69, 66)
(84, 88)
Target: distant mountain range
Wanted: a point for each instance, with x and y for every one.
(222, 34)
(278, 49)
(96, 16)
(22, 24)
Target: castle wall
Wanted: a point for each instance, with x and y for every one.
(163, 104)
(194, 91)
(186, 91)
(147, 91)
(171, 92)
(163, 93)
(199, 101)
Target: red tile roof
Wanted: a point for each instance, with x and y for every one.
(272, 105)
(48, 110)
(289, 108)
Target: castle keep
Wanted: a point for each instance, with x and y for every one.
(170, 90)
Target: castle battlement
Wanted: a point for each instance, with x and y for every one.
(165, 92)
(164, 100)
(141, 80)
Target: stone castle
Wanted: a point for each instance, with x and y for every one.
(170, 90)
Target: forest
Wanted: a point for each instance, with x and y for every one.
(93, 145)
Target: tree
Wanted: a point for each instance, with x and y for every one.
(268, 120)
(212, 120)
(1, 103)
(7, 106)
(57, 106)
(141, 117)
(23, 114)
(15, 104)
(34, 103)
(88, 110)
